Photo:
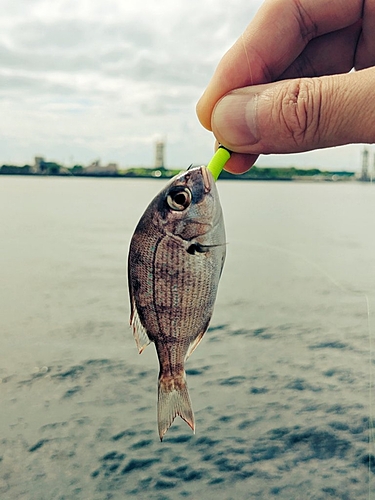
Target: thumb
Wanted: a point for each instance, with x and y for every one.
(298, 115)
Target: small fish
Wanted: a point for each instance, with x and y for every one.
(176, 256)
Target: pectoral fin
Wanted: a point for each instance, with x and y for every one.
(195, 248)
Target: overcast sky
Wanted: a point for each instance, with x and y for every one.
(103, 79)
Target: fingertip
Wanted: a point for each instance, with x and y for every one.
(240, 163)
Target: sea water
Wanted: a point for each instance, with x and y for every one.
(281, 385)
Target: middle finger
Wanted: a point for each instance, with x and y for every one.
(327, 55)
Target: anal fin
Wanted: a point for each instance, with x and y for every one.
(194, 344)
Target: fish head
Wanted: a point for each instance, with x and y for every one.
(189, 206)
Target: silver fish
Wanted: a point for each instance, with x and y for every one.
(175, 261)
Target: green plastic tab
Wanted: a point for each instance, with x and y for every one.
(218, 161)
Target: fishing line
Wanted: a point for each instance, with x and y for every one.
(371, 456)
(247, 58)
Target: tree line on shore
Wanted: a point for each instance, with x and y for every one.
(255, 173)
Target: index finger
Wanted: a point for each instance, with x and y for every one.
(278, 33)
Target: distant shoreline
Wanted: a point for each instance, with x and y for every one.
(285, 174)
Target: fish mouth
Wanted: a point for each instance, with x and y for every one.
(207, 179)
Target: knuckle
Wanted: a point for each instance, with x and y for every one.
(308, 27)
(299, 112)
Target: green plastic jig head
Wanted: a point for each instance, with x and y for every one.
(218, 161)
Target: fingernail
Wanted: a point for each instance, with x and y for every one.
(234, 120)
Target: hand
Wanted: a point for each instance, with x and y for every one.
(286, 85)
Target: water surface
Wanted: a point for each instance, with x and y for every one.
(280, 384)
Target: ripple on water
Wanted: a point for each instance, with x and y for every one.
(122, 434)
(258, 390)
(77, 389)
(38, 445)
(315, 443)
(197, 371)
(137, 464)
(110, 464)
(143, 443)
(188, 464)
(335, 344)
(232, 448)
(236, 380)
(300, 384)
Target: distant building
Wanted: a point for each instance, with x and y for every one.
(96, 169)
(365, 166)
(41, 166)
(159, 154)
(38, 167)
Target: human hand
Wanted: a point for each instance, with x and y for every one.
(286, 85)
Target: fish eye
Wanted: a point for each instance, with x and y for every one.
(179, 198)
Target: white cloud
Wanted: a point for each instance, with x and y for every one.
(104, 78)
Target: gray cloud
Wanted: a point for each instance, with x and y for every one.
(35, 62)
(73, 34)
(116, 50)
(57, 35)
(13, 84)
(163, 103)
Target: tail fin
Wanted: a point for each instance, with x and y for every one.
(173, 400)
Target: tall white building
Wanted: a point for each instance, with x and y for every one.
(365, 165)
(159, 154)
